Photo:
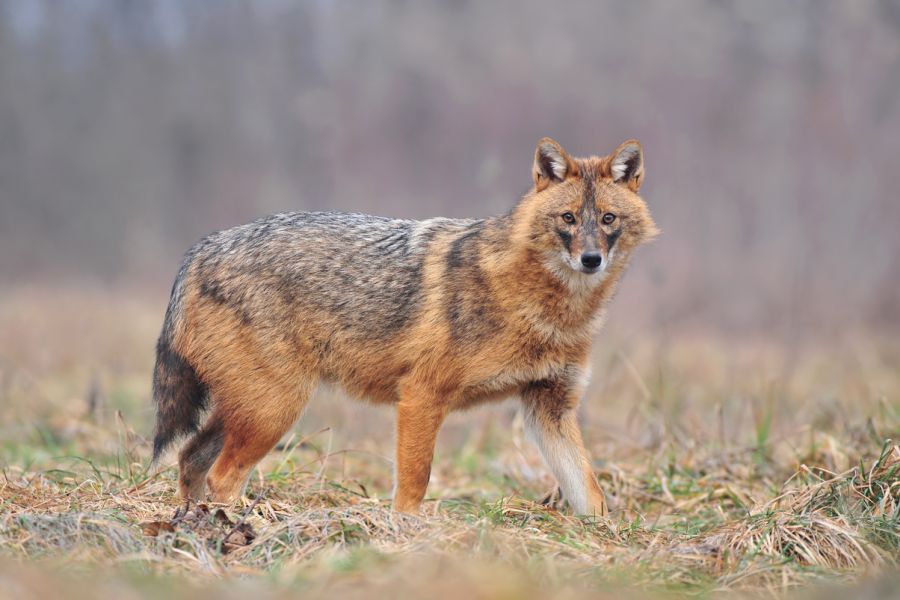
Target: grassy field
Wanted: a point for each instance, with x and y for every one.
(733, 465)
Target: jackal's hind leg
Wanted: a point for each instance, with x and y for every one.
(251, 429)
(197, 456)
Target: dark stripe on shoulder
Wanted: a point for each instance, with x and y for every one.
(456, 256)
(468, 302)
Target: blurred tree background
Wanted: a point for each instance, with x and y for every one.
(129, 129)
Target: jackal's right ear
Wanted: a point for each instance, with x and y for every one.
(551, 163)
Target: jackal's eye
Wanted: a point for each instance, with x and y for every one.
(568, 217)
(608, 218)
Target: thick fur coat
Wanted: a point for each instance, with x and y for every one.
(429, 316)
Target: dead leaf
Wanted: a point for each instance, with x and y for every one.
(222, 517)
(154, 528)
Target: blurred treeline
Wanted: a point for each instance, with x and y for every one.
(128, 129)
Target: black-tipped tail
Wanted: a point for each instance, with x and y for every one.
(180, 396)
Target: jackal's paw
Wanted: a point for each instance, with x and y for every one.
(553, 499)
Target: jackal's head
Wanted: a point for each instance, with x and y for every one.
(584, 215)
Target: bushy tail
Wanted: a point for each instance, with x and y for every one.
(179, 394)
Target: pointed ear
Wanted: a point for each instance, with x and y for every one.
(551, 163)
(626, 164)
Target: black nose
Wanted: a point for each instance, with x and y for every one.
(591, 260)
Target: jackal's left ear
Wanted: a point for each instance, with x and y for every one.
(627, 164)
(551, 163)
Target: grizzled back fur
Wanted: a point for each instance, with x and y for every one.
(357, 276)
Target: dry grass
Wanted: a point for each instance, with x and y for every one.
(732, 466)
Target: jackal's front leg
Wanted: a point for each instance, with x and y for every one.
(419, 417)
(550, 421)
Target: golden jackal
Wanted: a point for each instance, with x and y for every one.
(430, 316)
